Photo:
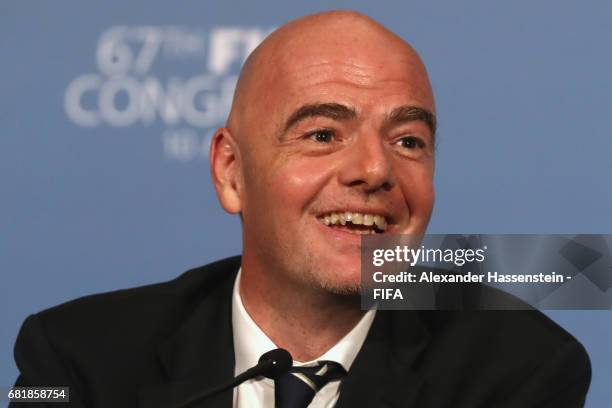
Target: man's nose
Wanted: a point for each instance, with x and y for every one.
(367, 164)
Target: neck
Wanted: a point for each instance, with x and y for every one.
(289, 313)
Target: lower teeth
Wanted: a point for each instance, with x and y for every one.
(355, 229)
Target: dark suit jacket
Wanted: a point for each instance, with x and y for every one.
(151, 346)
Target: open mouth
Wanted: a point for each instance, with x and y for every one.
(356, 223)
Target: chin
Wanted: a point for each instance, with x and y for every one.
(342, 279)
(345, 289)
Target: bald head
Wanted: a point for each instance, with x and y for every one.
(316, 47)
(332, 113)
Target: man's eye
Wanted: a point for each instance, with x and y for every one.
(411, 142)
(322, 136)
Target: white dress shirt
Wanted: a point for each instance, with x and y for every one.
(250, 342)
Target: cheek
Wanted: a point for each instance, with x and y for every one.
(425, 202)
(418, 191)
(299, 182)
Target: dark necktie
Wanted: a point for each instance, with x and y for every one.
(297, 388)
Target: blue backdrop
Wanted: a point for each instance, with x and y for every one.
(106, 111)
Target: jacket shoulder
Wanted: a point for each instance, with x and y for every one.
(123, 321)
(188, 288)
(508, 350)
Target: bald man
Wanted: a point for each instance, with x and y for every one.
(330, 136)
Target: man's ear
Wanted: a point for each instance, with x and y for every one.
(225, 168)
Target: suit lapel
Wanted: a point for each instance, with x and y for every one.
(200, 354)
(382, 374)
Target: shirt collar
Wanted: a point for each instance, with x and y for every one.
(250, 342)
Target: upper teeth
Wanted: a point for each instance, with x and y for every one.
(356, 219)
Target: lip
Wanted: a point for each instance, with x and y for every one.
(348, 238)
(340, 236)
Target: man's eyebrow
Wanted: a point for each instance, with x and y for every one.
(408, 113)
(329, 110)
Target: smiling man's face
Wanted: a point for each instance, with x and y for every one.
(336, 140)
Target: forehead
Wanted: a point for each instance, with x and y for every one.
(367, 79)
